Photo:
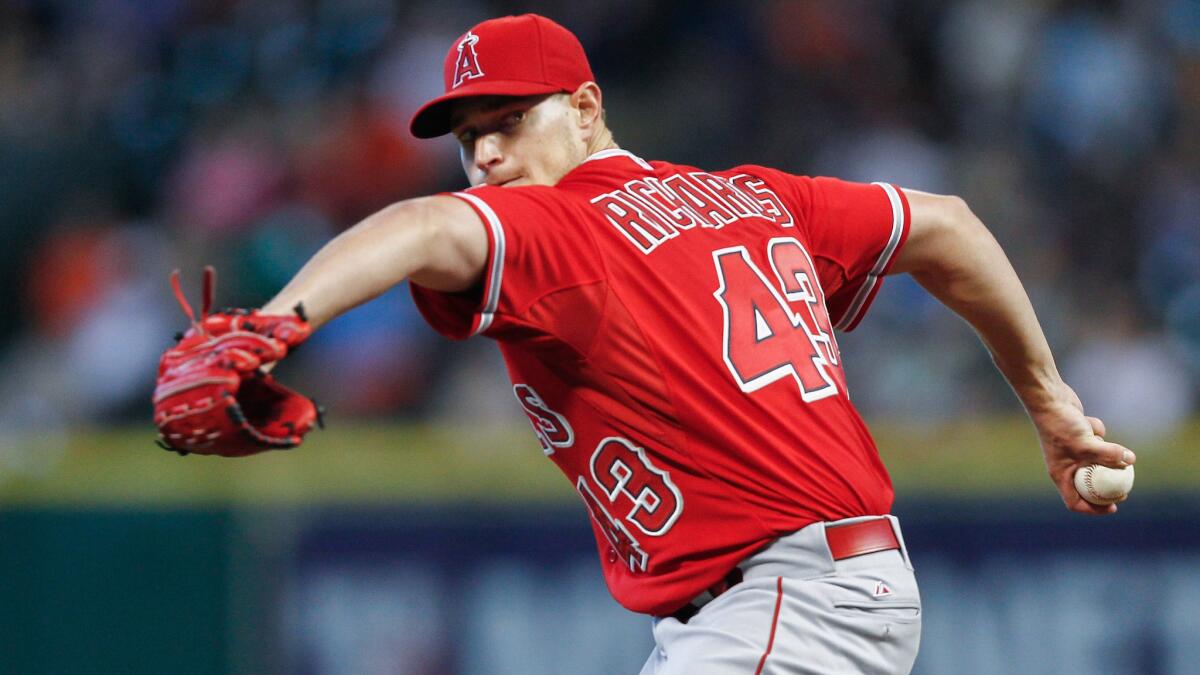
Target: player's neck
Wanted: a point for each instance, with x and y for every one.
(601, 141)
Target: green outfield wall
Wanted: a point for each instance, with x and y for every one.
(384, 463)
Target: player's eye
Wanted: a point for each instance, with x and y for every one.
(467, 137)
(512, 119)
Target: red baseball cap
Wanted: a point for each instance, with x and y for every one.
(510, 56)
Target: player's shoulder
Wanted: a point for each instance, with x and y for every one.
(760, 171)
(612, 164)
(618, 163)
(519, 193)
(531, 206)
(742, 175)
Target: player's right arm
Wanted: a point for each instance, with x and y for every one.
(952, 254)
(438, 242)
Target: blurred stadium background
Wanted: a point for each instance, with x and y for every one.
(423, 532)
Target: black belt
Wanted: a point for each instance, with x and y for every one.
(733, 578)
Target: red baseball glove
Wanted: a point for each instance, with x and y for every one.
(213, 396)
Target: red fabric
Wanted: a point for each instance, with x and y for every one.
(840, 217)
(511, 56)
(690, 450)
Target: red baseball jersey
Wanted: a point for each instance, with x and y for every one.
(669, 333)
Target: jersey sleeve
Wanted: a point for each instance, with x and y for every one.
(854, 231)
(536, 246)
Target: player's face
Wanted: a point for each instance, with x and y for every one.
(509, 141)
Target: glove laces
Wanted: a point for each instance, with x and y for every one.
(209, 283)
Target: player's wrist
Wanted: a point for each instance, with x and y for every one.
(1042, 400)
(1042, 392)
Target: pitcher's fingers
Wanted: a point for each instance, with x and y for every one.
(1072, 499)
(1076, 503)
(1089, 509)
(1097, 426)
(1113, 455)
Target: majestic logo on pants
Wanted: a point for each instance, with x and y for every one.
(467, 65)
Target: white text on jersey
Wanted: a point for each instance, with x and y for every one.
(649, 211)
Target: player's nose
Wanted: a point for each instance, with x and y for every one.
(487, 152)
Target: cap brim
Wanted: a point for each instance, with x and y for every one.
(433, 118)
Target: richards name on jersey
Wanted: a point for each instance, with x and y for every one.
(649, 211)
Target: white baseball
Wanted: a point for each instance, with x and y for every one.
(1101, 485)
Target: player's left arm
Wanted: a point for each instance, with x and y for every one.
(438, 242)
(952, 254)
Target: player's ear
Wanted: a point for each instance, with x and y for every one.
(588, 101)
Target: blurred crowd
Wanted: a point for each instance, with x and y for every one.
(137, 136)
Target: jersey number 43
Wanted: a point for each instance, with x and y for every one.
(776, 329)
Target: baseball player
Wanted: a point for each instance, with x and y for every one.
(669, 332)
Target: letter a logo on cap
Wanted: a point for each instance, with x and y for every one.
(467, 66)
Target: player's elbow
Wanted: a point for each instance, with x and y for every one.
(962, 224)
(941, 228)
(948, 215)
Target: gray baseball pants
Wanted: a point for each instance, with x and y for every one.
(800, 611)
